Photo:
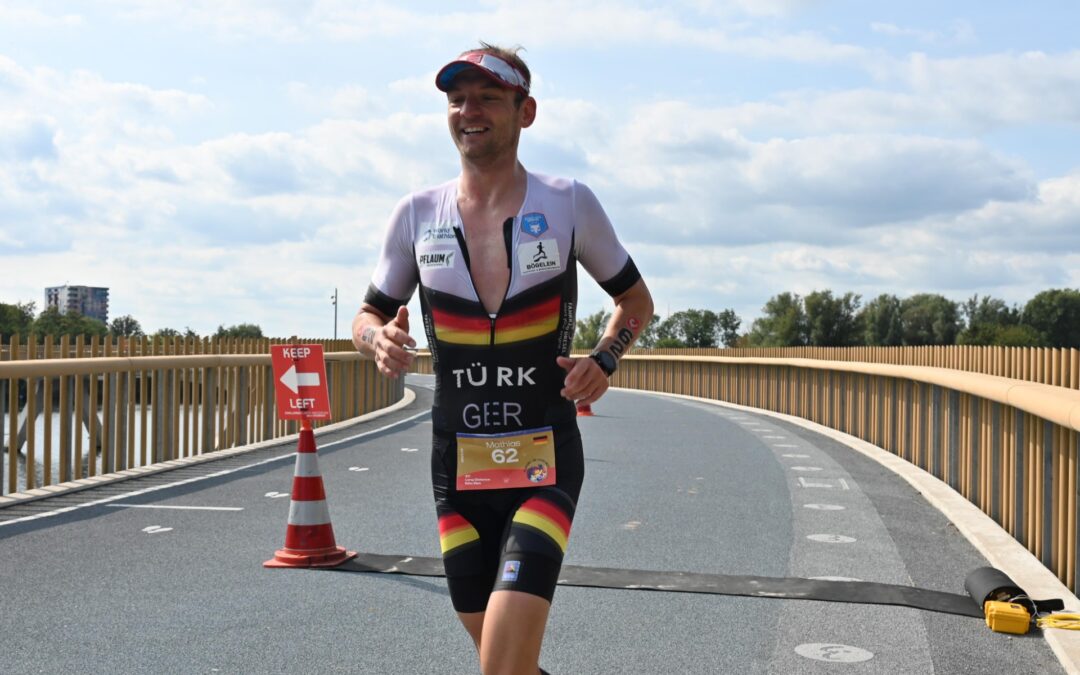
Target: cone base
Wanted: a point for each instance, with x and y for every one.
(328, 557)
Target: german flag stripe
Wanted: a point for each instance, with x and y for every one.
(530, 322)
(447, 321)
(526, 332)
(540, 312)
(454, 532)
(546, 518)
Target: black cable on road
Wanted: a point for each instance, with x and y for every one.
(791, 588)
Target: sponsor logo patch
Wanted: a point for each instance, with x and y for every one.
(539, 256)
(510, 570)
(437, 232)
(534, 224)
(435, 259)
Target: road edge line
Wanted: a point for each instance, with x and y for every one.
(1000, 548)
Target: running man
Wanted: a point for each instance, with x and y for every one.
(495, 252)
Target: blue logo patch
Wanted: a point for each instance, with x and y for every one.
(510, 570)
(534, 224)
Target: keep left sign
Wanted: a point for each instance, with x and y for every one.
(300, 382)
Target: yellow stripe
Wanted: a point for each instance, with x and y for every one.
(543, 524)
(462, 337)
(527, 331)
(455, 539)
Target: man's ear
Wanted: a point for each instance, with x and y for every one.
(528, 111)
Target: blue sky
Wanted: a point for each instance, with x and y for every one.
(234, 161)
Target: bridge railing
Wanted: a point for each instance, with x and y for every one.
(64, 419)
(1007, 445)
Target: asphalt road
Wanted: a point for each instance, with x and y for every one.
(671, 485)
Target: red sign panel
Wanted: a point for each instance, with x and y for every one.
(300, 382)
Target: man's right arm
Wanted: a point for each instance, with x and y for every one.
(384, 339)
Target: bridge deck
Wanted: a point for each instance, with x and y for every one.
(671, 485)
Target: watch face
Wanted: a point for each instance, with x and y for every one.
(606, 361)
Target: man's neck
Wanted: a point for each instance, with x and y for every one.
(487, 185)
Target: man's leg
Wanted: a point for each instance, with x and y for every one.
(474, 623)
(513, 633)
(518, 607)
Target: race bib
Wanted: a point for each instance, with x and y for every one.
(513, 460)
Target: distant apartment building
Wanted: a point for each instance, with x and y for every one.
(86, 300)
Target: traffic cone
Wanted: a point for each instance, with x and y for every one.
(584, 410)
(309, 537)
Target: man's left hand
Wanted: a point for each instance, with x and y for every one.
(585, 383)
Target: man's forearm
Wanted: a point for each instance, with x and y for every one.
(633, 311)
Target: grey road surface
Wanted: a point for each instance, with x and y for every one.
(670, 485)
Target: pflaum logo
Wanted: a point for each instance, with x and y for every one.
(436, 259)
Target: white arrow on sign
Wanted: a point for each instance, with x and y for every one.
(294, 380)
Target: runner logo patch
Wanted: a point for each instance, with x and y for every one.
(435, 259)
(539, 256)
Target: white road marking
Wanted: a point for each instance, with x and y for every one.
(828, 486)
(795, 456)
(833, 653)
(276, 495)
(806, 468)
(358, 468)
(785, 445)
(775, 438)
(410, 449)
(177, 508)
(831, 538)
(156, 529)
(824, 507)
(216, 474)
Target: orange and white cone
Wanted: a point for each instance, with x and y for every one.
(584, 410)
(309, 537)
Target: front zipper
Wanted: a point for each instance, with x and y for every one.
(508, 239)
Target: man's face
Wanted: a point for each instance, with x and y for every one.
(484, 121)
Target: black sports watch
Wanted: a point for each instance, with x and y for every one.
(606, 361)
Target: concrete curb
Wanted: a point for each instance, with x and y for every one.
(160, 467)
(997, 546)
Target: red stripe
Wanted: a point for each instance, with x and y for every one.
(535, 314)
(554, 513)
(451, 522)
(448, 321)
(308, 489)
(308, 537)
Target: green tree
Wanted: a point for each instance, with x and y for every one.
(55, 323)
(692, 327)
(832, 321)
(782, 324)
(647, 339)
(1017, 336)
(242, 330)
(985, 319)
(125, 326)
(1055, 316)
(881, 322)
(15, 319)
(729, 323)
(590, 329)
(172, 332)
(929, 319)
